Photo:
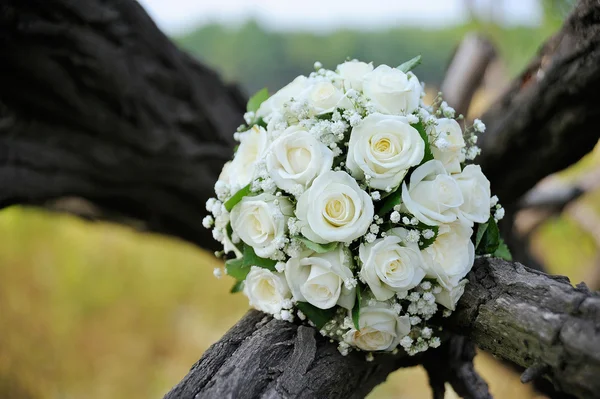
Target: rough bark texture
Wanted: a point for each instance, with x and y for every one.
(96, 102)
(263, 357)
(534, 320)
(518, 314)
(547, 119)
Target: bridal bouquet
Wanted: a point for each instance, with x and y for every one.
(354, 207)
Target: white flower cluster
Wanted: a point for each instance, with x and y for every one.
(348, 203)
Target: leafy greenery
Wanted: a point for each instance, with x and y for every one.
(487, 238)
(237, 287)
(239, 268)
(410, 64)
(237, 197)
(395, 198)
(236, 269)
(421, 129)
(502, 251)
(318, 316)
(251, 259)
(257, 99)
(318, 248)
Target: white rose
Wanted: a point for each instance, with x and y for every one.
(384, 147)
(432, 195)
(381, 329)
(475, 188)
(392, 91)
(323, 96)
(285, 94)
(448, 144)
(319, 279)
(266, 290)
(334, 208)
(225, 175)
(391, 264)
(449, 298)
(353, 73)
(260, 223)
(252, 148)
(451, 255)
(297, 158)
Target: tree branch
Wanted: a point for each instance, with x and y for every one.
(547, 119)
(537, 321)
(96, 102)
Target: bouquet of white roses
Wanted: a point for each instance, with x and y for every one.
(348, 205)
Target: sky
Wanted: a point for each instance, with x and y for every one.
(178, 16)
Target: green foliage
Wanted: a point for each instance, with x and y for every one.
(239, 268)
(318, 316)
(318, 248)
(237, 287)
(257, 99)
(251, 259)
(487, 238)
(502, 251)
(410, 64)
(237, 197)
(395, 198)
(421, 129)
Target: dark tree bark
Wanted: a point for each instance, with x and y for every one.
(547, 119)
(96, 102)
(513, 312)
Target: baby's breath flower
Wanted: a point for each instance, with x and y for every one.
(479, 126)
(395, 217)
(426, 332)
(370, 237)
(428, 234)
(499, 214)
(208, 221)
(494, 200)
(218, 272)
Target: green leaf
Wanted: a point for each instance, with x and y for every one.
(480, 232)
(251, 259)
(257, 99)
(325, 117)
(237, 197)
(390, 202)
(503, 252)
(410, 64)
(236, 269)
(356, 309)
(487, 238)
(421, 129)
(318, 316)
(427, 242)
(318, 248)
(237, 287)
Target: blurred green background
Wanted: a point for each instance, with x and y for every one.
(95, 310)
